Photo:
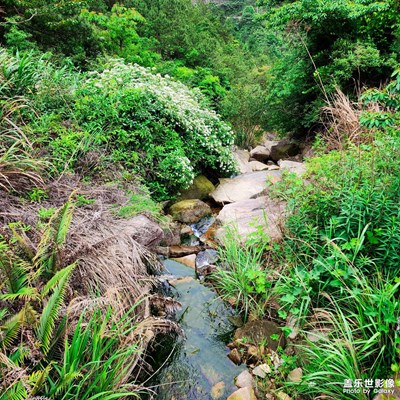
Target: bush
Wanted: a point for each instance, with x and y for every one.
(322, 45)
(341, 237)
(154, 125)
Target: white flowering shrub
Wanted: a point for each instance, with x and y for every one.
(155, 125)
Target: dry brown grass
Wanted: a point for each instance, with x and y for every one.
(341, 119)
(113, 269)
(19, 169)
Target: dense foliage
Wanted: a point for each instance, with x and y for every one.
(322, 45)
(158, 91)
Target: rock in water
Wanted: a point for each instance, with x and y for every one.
(244, 187)
(181, 251)
(248, 215)
(261, 330)
(200, 189)
(189, 261)
(235, 356)
(217, 391)
(206, 257)
(189, 211)
(246, 393)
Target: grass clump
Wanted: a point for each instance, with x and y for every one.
(242, 279)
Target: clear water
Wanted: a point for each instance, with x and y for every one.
(200, 360)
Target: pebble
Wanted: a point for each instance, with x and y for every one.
(262, 370)
(295, 376)
(235, 356)
(244, 379)
(245, 393)
(217, 391)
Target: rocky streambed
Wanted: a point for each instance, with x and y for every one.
(209, 361)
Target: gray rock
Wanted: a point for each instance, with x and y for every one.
(292, 322)
(260, 153)
(172, 235)
(259, 166)
(244, 379)
(144, 231)
(292, 166)
(242, 160)
(246, 215)
(206, 257)
(244, 187)
(262, 370)
(189, 211)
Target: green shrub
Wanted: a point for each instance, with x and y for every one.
(321, 45)
(154, 126)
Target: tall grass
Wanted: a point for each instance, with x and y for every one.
(242, 280)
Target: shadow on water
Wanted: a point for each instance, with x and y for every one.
(199, 360)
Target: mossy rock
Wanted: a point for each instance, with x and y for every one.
(200, 189)
(189, 211)
(261, 330)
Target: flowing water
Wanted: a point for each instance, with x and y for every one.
(198, 361)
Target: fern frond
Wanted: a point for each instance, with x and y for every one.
(64, 220)
(25, 293)
(54, 237)
(50, 285)
(51, 310)
(15, 392)
(3, 313)
(10, 328)
(38, 378)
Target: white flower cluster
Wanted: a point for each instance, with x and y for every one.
(180, 103)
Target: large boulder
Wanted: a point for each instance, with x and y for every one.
(247, 215)
(244, 187)
(260, 153)
(242, 158)
(189, 211)
(200, 189)
(282, 149)
(144, 231)
(297, 168)
(259, 331)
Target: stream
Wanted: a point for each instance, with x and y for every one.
(199, 360)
